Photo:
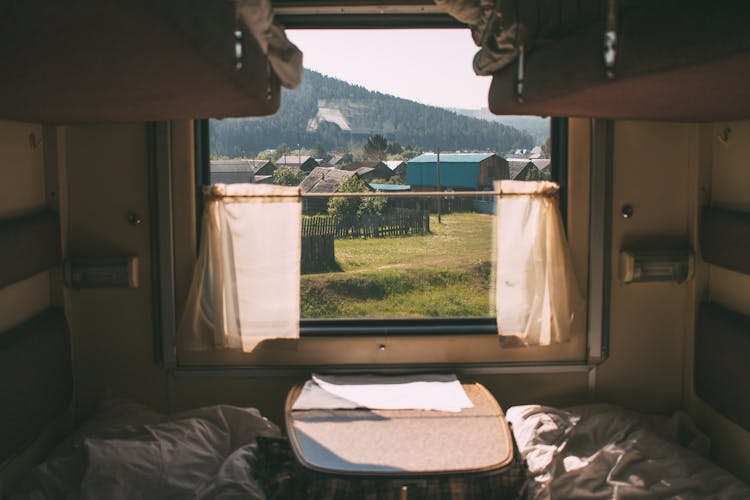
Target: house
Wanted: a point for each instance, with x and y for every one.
(322, 180)
(536, 152)
(262, 167)
(242, 170)
(397, 167)
(306, 163)
(545, 167)
(231, 171)
(519, 168)
(464, 171)
(369, 170)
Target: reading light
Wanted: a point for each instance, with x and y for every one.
(643, 266)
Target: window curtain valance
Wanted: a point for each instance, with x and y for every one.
(536, 292)
(503, 28)
(245, 284)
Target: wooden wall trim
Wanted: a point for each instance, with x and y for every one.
(28, 245)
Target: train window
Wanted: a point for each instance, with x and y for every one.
(397, 112)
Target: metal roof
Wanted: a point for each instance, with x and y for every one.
(451, 158)
(390, 187)
(237, 165)
(517, 165)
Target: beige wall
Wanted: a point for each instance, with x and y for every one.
(22, 191)
(112, 331)
(727, 185)
(652, 172)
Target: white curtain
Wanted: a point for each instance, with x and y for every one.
(283, 56)
(537, 295)
(246, 281)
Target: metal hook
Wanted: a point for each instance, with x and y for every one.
(610, 39)
(724, 135)
(521, 73)
(238, 53)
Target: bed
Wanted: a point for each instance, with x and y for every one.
(603, 451)
(596, 451)
(130, 451)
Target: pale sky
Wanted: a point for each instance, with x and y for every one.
(428, 66)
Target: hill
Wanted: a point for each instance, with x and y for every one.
(537, 126)
(331, 113)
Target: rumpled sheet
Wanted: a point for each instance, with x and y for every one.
(602, 451)
(131, 452)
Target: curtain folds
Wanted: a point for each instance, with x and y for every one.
(536, 291)
(283, 56)
(245, 284)
(501, 27)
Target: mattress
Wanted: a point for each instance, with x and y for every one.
(131, 452)
(602, 451)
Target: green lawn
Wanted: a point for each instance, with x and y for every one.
(443, 274)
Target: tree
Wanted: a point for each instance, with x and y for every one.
(394, 148)
(367, 205)
(320, 152)
(546, 147)
(287, 176)
(376, 148)
(281, 150)
(534, 174)
(346, 159)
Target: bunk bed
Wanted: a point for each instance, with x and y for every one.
(596, 452)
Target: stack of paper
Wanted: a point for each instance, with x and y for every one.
(378, 392)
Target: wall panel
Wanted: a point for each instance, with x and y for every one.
(728, 187)
(107, 175)
(648, 324)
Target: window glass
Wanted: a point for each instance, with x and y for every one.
(392, 111)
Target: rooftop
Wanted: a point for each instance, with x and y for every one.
(451, 158)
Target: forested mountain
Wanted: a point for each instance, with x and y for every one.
(537, 126)
(334, 114)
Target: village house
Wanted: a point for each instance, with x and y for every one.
(536, 152)
(302, 162)
(460, 172)
(369, 170)
(519, 168)
(231, 171)
(544, 165)
(322, 180)
(397, 167)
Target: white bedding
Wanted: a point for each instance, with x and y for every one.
(130, 452)
(601, 451)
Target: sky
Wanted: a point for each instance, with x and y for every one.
(428, 66)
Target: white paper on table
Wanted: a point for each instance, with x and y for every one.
(410, 392)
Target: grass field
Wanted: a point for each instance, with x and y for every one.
(443, 274)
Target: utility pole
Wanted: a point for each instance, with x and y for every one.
(439, 200)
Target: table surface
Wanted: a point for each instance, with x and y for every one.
(402, 442)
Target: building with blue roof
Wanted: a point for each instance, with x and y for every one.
(458, 171)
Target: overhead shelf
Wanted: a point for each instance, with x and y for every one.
(676, 61)
(117, 60)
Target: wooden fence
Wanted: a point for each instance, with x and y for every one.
(318, 251)
(400, 222)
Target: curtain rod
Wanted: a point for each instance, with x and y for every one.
(381, 194)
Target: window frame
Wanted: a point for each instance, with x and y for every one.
(345, 327)
(353, 351)
(597, 262)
